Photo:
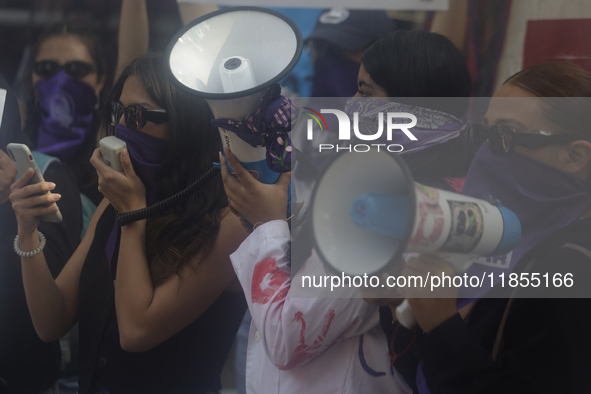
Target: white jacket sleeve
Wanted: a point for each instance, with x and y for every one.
(293, 330)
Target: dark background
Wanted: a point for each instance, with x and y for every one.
(21, 22)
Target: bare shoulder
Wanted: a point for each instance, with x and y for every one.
(217, 263)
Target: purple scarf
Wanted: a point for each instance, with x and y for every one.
(147, 155)
(67, 115)
(269, 127)
(433, 127)
(544, 198)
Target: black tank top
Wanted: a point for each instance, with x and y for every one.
(189, 362)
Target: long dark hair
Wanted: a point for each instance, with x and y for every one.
(190, 228)
(419, 64)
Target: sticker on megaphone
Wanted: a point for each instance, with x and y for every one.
(367, 211)
(445, 223)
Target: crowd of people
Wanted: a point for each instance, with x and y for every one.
(154, 306)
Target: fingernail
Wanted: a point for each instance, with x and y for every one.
(51, 185)
(56, 197)
(220, 155)
(125, 153)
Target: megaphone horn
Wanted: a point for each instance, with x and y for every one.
(230, 58)
(367, 211)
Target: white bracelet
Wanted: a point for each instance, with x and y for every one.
(20, 252)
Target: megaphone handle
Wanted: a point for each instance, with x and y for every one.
(405, 315)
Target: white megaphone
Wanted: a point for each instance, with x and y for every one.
(230, 58)
(367, 211)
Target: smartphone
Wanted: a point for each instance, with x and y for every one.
(23, 159)
(111, 148)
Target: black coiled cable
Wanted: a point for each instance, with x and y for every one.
(127, 218)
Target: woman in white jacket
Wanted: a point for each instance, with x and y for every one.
(299, 345)
(335, 345)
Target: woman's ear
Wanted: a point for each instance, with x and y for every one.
(579, 159)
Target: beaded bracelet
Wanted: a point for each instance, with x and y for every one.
(20, 252)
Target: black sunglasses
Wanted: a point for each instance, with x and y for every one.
(76, 68)
(503, 138)
(136, 116)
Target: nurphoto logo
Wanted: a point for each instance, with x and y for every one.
(393, 120)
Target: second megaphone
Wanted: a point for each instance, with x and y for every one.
(367, 211)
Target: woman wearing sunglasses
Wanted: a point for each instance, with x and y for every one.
(535, 157)
(157, 300)
(68, 75)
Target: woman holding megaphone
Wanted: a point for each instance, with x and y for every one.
(330, 344)
(537, 161)
(157, 300)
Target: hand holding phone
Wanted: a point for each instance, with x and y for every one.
(23, 159)
(111, 148)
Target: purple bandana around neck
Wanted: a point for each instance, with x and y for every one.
(67, 115)
(147, 155)
(269, 127)
(433, 127)
(335, 76)
(544, 198)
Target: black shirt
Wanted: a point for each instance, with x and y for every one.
(189, 362)
(27, 364)
(546, 346)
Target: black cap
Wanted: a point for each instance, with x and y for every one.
(351, 29)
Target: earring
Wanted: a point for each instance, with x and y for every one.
(97, 104)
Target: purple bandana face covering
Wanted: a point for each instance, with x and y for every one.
(67, 115)
(544, 198)
(147, 155)
(433, 127)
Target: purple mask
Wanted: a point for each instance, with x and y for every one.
(544, 198)
(433, 127)
(67, 115)
(147, 155)
(335, 76)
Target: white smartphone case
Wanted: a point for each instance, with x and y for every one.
(23, 159)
